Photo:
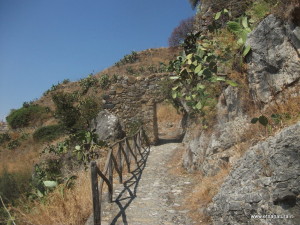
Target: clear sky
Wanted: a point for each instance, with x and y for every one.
(43, 42)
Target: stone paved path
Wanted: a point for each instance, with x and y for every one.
(153, 195)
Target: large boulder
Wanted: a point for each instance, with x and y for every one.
(264, 182)
(108, 126)
(273, 63)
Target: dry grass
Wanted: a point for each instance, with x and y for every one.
(146, 58)
(203, 192)
(167, 113)
(203, 188)
(288, 103)
(71, 208)
(21, 159)
(288, 10)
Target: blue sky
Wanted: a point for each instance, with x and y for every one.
(43, 42)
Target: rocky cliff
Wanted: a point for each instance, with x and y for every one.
(266, 179)
(264, 182)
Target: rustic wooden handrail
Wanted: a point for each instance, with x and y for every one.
(114, 161)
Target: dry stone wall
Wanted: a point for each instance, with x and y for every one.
(133, 100)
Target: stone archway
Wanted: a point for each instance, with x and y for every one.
(167, 123)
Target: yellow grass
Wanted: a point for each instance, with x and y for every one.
(21, 159)
(71, 208)
(203, 189)
(202, 194)
(167, 113)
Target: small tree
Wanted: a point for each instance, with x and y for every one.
(66, 112)
(194, 3)
(181, 31)
(75, 114)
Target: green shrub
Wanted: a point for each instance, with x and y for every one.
(4, 137)
(13, 144)
(12, 185)
(114, 78)
(66, 81)
(104, 81)
(259, 10)
(130, 58)
(87, 83)
(25, 116)
(48, 170)
(130, 70)
(48, 133)
(133, 126)
(75, 114)
(54, 87)
(65, 111)
(88, 109)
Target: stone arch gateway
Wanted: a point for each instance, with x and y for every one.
(133, 100)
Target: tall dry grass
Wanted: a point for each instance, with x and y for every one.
(167, 113)
(203, 193)
(68, 207)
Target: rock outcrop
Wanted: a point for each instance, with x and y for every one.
(273, 64)
(274, 67)
(209, 150)
(264, 182)
(108, 126)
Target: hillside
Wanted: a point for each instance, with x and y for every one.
(21, 150)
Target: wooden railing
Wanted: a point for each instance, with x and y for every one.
(120, 153)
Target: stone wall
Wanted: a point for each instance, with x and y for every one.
(133, 100)
(3, 127)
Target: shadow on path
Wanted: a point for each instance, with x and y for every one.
(163, 141)
(130, 187)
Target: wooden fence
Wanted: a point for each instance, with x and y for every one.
(122, 152)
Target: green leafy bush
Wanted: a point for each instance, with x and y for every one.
(25, 116)
(88, 109)
(48, 133)
(46, 176)
(104, 81)
(259, 10)
(66, 81)
(196, 73)
(87, 83)
(130, 70)
(65, 111)
(130, 58)
(13, 144)
(13, 185)
(4, 137)
(54, 87)
(75, 114)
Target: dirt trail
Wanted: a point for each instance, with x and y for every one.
(153, 195)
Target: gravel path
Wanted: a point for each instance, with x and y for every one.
(153, 195)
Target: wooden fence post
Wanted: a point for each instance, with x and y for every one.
(95, 194)
(120, 162)
(110, 178)
(127, 155)
(134, 146)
